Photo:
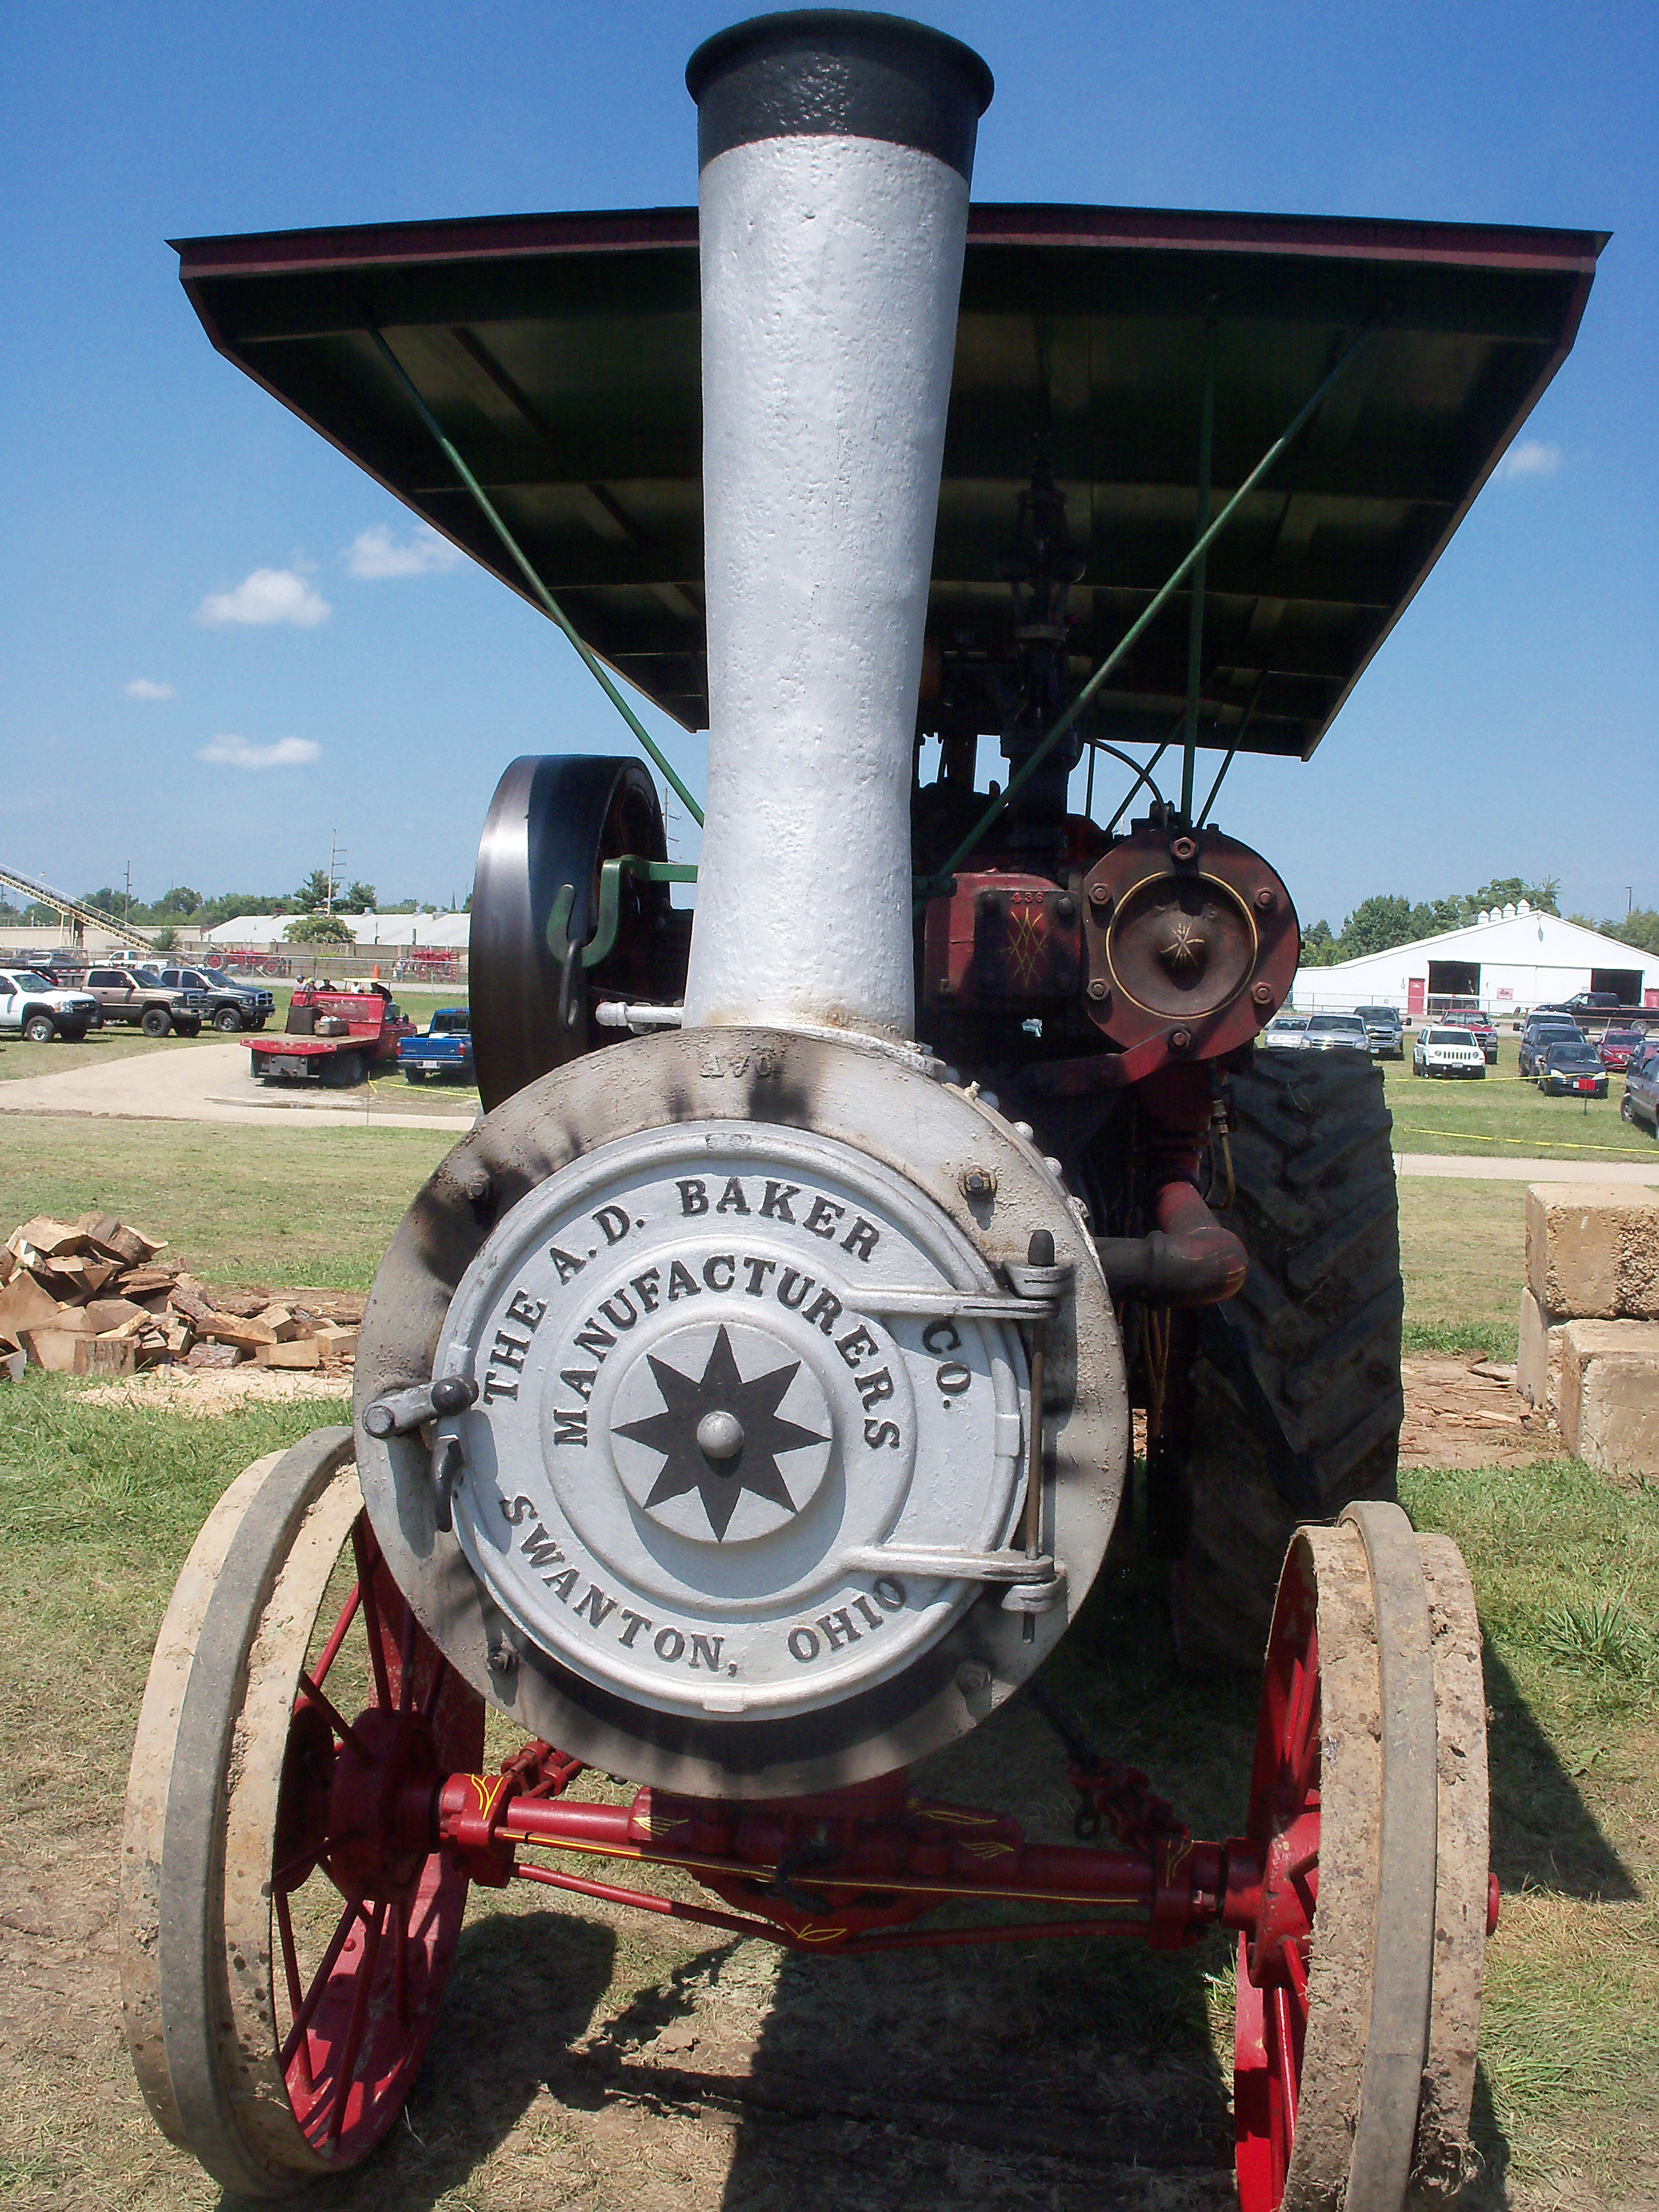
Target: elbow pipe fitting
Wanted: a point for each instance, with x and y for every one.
(1188, 1260)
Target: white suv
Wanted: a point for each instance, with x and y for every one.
(32, 1007)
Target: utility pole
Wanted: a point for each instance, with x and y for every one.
(335, 854)
(1630, 901)
(126, 898)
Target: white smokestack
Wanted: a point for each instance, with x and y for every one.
(835, 151)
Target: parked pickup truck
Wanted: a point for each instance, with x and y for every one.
(232, 1006)
(331, 1037)
(445, 1050)
(122, 995)
(33, 1007)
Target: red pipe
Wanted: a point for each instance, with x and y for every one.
(1188, 1260)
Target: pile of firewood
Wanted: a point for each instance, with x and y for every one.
(97, 1297)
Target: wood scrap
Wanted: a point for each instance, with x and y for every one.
(94, 1296)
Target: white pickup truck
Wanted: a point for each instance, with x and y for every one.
(32, 1007)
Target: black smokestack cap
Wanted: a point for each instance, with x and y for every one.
(838, 73)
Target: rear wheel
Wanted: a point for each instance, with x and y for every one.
(286, 1928)
(414, 1075)
(1312, 1342)
(155, 1022)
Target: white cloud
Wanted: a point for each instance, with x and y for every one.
(1531, 457)
(142, 688)
(268, 595)
(239, 752)
(374, 553)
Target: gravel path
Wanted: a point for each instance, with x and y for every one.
(204, 1083)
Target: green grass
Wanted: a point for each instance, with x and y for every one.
(1503, 1117)
(1463, 1247)
(237, 1205)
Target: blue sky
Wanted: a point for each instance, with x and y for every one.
(1507, 727)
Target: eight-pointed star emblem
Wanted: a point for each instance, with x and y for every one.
(720, 1459)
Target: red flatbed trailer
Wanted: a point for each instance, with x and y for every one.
(339, 1057)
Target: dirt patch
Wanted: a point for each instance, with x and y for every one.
(202, 1394)
(1460, 1414)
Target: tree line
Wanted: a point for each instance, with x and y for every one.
(180, 905)
(1379, 923)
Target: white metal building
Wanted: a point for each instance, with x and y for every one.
(1507, 960)
(263, 933)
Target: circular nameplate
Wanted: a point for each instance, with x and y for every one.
(726, 1393)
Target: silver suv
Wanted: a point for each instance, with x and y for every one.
(1382, 1027)
(1336, 1033)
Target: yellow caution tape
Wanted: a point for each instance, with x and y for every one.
(1561, 1144)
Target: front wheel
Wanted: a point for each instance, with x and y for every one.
(1359, 1981)
(75, 1035)
(155, 1022)
(40, 1029)
(228, 1020)
(284, 1941)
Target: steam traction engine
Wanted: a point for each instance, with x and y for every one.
(744, 1407)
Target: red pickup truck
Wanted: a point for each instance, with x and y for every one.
(331, 1037)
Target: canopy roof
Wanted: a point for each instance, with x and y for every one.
(560, 354)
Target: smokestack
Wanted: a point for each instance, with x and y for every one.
(834, 151)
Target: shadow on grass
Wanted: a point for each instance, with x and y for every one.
(524, 1988)
(1543, 1833)
(1014, 2074)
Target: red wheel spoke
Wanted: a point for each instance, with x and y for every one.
(1279, 2001)
(400, 1963)
(372, 1626)
(360, 1997)
(434, 1688)
(330, 1713)
(1296, 1967)
(291, 1975)
(406, 1661)
(279, 1877)
(319, 1981)
(337, 1635)
(1301, 1724)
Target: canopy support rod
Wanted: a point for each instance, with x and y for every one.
(1195, 619)
(595, 668)
(1232, 750)
(1142, 775)
(1150, 611)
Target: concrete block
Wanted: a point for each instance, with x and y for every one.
(1609, 1409)
(1593, 1250)
(1538, 1363)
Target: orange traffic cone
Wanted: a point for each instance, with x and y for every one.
(377, 972)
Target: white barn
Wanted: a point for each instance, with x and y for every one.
(263, 933)
(1507, 961)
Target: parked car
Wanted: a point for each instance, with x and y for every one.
(1447, 1052)
(231, 1006)
(1336, 1033)
(1540, 1034)
(1382, 1027)
(444, 1050)
(1571, 1069)
(1284, 1033)
(1617, 1048)
(148, 1006)
(1479, 1027)
(32, 1006)
(1641, 1099)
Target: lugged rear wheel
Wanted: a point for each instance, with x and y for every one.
(1319, 1317)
